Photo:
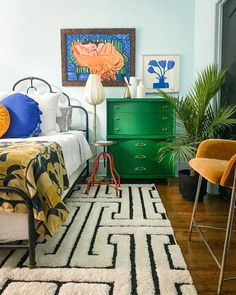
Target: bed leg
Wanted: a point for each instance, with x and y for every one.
(32, 239)
(32, 263)
(87, 169)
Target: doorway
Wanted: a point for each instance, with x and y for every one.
(228, 57)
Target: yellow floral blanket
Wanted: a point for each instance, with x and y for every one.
(38, 169)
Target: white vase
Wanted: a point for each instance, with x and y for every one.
(133, 91)
(141, 90)
(133, 81)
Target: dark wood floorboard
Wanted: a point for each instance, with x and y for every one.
(200, 263)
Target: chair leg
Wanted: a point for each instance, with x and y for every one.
(227, 235)
(195, 206)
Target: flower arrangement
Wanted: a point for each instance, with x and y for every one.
(160, 68)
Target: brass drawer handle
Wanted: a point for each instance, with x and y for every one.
(117, 118)
(140, 144)
(164, 118)
(116, 106)
(140, 168)
(140, 157)
(165, 106)
(164, 129)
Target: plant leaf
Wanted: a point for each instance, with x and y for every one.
(197, 119)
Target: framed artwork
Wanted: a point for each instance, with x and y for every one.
(161, 72)
(110, 53)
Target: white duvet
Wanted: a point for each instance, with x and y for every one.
(75, 148)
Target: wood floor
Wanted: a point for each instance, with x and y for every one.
(200, 263)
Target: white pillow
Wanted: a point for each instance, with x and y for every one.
(48, 104)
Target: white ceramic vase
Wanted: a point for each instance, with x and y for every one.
(140, 90)
(133, 91)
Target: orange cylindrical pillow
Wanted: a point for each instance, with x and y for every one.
(4, 120)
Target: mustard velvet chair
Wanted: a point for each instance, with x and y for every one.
(216, 161)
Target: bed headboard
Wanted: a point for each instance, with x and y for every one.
(33, 83)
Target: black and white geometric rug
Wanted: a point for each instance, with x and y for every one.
(108, 245)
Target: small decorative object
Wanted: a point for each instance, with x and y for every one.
(133, 86)
(140, 90)
(108, 53)
(133, 91)
(133, 81)
(127, 93)
(161, 72)
(94, 94)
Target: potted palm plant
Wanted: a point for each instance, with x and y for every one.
(198, 117)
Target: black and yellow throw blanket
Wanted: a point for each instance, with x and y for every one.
(38, 169)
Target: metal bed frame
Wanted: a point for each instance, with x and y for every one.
(31, 230)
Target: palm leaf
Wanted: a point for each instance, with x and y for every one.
(207, 84)
(196, 118)
(222, 118)
(181, 146)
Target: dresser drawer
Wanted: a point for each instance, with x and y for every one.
(139, 157)
(152, 123)
(134, 147)
(136, 107)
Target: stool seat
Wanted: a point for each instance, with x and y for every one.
(211, 169)
(115, 177)
(104, 143)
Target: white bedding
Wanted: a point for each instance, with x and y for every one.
(76, 151)
(75, 148)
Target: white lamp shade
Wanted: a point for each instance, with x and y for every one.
(94, 92)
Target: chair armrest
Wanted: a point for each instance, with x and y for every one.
(227, 178)
(222, 149)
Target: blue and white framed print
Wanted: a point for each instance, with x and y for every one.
(161, 72)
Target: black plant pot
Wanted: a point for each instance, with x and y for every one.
(188, 185)
(225, 192)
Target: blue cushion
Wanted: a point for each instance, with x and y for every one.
(25, 116)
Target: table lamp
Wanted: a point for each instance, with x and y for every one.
(94, 94)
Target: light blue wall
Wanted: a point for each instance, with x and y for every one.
(30, 37)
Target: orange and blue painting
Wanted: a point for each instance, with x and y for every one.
(108, 53)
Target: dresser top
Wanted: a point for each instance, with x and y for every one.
(147, 99)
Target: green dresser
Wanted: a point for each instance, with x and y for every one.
(140, 126)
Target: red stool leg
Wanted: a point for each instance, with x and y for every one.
(95, 170)
(112, 169)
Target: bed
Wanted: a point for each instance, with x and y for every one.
(72, 152)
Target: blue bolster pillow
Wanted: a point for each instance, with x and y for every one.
(25, 116)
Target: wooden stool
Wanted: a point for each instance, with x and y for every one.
(115, 177)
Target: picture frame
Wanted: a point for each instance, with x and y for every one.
(161, 72)
(107, 52)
